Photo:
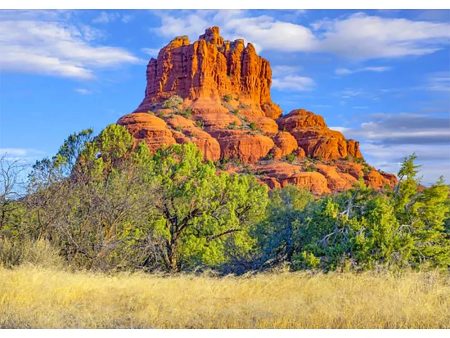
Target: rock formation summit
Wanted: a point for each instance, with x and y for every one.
(216, 94)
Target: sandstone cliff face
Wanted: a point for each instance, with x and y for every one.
(316, 139)
(210, 68)
(216, 94)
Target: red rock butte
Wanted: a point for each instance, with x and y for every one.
(216, 94)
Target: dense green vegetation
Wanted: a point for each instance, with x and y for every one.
(103, 203)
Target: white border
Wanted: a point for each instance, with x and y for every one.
(229, 4)
(245, 333)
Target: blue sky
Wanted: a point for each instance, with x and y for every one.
(381, 77)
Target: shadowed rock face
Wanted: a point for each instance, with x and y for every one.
(216, 94)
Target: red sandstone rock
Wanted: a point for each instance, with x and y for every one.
(285, 144)
(376, 180)
(285, 173)
(336, 181)
(149, 128)
(245, 147)
(316, 138)
(226, 110)
(210, 68)
(191, 133)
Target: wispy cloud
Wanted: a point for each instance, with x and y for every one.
(108, 17)
(405, 128)
(347, 71)
(439, 82)
(25, 155)
(293, 83)
(83, 91)
(361, 36)
(47, 46)
(287, 77)
(387, 138)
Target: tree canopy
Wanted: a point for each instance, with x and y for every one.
(106, 202)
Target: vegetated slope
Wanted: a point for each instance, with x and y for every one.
(216, 94)
(41, 298)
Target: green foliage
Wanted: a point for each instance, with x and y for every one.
(270, 156)
(357, 228)
(362, 229)
(234, 111)
(200, 123)
(227, 98)
(106, 203)
(70, 151)
(173, 102)
(252, 126)
(206, 216)
(106, 152)
(290, 158)
(275, 232)
(186, 112)
(305, 260)
(38, 253)
(124, 208)
(424, 214)
(232, 125)
(310, 168)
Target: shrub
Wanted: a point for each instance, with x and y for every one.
(39, 253)
(173, 102)
(310, 168)
(252, 126)
(233, 125)
(200, 123)
(186, 112)
(234, 111)
(290, 158)
(269, 156)
(227, 98)
(305, 260)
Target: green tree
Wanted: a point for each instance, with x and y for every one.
(356, 229)
(275, 232)
(68, 154)
(204, 217)
(422, 212)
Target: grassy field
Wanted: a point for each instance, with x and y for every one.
(33, 297)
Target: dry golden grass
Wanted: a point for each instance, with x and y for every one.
(33, 297)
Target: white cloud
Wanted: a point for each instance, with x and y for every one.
(358, 36)
(281, 70)
(389, 158)
(105, 17)
(83, 91)
(108, 17)
(21, 154)
(293, 83)
(387, 138)
(439, 82)
(286, 77)
(191, 25)
(53, 48)
(404, 128)
(269, 33)
(347, 71)
(350, 93)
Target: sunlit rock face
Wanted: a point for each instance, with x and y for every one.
(216, 93)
